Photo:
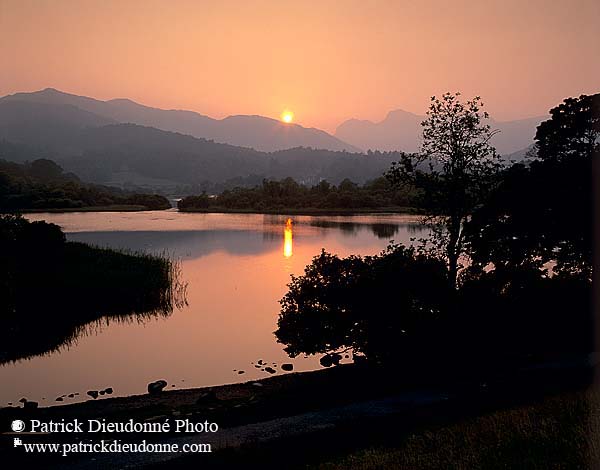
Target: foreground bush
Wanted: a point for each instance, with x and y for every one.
(399, 308)
(380, 306)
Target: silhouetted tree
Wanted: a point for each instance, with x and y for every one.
(380, 306)
(454, 171)
(573, 130)
(542, 213)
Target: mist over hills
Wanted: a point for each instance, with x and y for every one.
(140, 157)
(122, 143)
(401, 130)
(257, 132)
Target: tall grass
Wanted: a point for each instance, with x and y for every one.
(561, 432)
(87, 289)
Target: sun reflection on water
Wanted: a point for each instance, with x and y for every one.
(287, 239)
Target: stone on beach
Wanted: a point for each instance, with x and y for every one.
(156, 387)
(30, 405)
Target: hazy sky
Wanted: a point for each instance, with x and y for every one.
(325, 60)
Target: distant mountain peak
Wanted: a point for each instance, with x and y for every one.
(402, 130)
(400, 113)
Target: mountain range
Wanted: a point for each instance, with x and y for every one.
(120, 142)
(100, 150)
(401, 130)
(257, 132)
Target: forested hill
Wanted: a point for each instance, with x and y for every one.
(112, 153)
(42, 184)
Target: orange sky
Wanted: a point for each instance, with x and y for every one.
(325, 60)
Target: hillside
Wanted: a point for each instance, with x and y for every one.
(43, 185)
(141, 157)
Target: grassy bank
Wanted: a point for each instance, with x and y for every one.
(53, 291)
(551, 429)
(559, 432)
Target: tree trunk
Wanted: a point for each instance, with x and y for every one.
(452, 250)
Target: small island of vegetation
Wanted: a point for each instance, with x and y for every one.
(290, 197)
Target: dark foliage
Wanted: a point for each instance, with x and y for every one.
(542, 213)
(42, 184)
(573, 130)
(397, 308)
(51, 291)
(366, 305)
(288, 194)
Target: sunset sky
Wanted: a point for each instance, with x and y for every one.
(326, 61)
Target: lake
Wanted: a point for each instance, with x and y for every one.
(236, 267)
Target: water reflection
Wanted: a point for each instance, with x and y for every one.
(287, 238)
(382, 230)
(236, 274)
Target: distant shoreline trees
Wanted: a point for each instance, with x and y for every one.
(42, 184)
(288, 194)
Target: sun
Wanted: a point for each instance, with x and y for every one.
(287, 116)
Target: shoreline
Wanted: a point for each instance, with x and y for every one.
(364, 380)
(307, 211)
(116, 208)
(261, 416)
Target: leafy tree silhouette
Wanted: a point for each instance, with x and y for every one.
(455, 170)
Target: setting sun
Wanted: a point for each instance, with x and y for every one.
(287, 116)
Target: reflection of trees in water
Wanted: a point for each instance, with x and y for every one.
(414, 228)
(379, 229)
(271, 235)
(384, 230)
(348, 228)
(51, 334)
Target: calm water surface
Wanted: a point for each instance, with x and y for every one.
(236, 267)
